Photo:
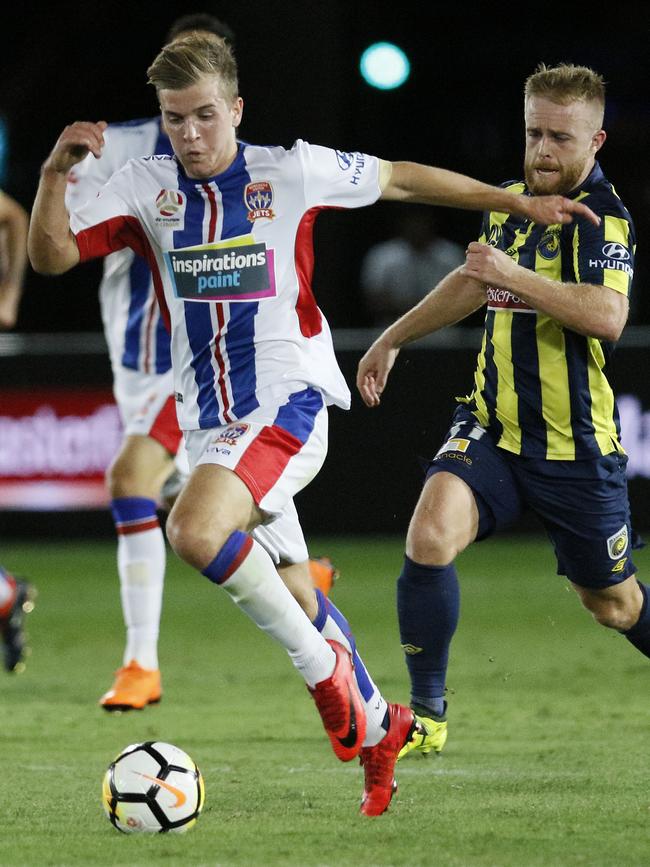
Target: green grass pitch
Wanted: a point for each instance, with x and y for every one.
(546, 763)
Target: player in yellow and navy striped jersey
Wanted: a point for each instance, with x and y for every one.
(558, 404)
(540, 428)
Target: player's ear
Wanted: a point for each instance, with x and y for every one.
(237, 111)
(598, 140)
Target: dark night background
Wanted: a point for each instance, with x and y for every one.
(461, 108)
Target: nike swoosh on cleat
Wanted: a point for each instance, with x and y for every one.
(181, 797)
(351, 737)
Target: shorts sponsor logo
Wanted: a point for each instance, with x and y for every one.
(549, 245)
(455, 444)
(454, 449)
(620, 565)
(218, 450)
(617, 544)
(455, 456)
(258, 197)
(236, 270)
(178, 397)
(231, 434)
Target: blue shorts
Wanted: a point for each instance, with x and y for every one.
(582, 504)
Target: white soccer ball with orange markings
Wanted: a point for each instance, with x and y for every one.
(153, 788)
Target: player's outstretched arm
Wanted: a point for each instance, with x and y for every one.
(453, 299)
(13, 223)
(51, 245)
(412, 182)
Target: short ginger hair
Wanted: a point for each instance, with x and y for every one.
(566, 83)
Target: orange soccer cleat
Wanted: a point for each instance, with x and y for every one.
(379, 761)
(134, 688)
(339, 703)
(323, 574)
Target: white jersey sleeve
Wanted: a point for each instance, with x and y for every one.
(107, 222)
(334, 178)
(136, 336)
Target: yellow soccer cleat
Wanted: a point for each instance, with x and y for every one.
(430, 734)
(133, 689)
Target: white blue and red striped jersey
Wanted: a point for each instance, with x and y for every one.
(232, 263)
(135, 332)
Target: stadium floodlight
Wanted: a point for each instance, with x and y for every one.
(384, 66)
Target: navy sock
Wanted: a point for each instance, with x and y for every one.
(639, 635)
(428, 605)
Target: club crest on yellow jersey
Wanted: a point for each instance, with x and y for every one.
(549, 245)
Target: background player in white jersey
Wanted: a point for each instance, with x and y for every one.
(227, 228)
(16, 595)
(138, 343)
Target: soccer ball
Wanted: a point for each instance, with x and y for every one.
(152, 788)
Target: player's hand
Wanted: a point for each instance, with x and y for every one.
(488, 265)
(548, 210)
(373, 371)
(76, 140)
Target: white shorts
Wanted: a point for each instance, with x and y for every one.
(147, 408)
(276, 451)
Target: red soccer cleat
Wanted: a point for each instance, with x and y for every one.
(340, 706)
(379, 761)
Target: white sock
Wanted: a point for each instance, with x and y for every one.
(258, 590)
(141, 566)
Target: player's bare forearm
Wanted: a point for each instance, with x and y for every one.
(412, 182)
(595, 311)
(51, 245)
(453, 299)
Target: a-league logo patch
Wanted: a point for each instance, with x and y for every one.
(617, 544)
(231, 434)
(258, 197)
(169, 202)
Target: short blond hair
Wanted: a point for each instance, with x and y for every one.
(185, 61)
(566, 83)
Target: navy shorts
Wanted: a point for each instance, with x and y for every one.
(582, 504)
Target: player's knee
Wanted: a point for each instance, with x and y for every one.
(121, 478)
(194, 542)
(613, 616)
(433, 542)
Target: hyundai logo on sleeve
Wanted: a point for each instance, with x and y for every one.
(616, 251)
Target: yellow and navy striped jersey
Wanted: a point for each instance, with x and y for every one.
(540, 388)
